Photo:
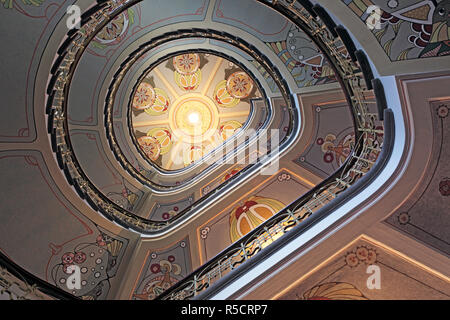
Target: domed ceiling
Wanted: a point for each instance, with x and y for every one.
(188, 105)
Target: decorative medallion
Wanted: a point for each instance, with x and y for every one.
(144, 97)
(223, 97)
(150, 146)
(239, 85)
(187, 64)
(160, 105)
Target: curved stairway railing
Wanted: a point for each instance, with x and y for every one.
(20, 284)
(315, 217)
(63, 70)
(354, 73)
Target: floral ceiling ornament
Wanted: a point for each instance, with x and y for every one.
(187, 70)
(182, 116)
(239, 85)
(186, 64)
(334, 149)
(115, 31)
(160, 105)
(144, 97)
(443, 111)
(98, 262)
(164, 137)
(223, 97)
(360, 255)
(151, 100)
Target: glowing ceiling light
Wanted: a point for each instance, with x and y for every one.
(194, 118)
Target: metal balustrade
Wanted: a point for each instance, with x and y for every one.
(58, 123)
(355, 79)
(19, 284)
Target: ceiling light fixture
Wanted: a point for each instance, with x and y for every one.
(194, 118)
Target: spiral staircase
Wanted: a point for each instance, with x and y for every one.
(220, 149)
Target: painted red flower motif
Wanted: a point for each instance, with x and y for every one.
(68, 258)
(316, 72)
(328, 157)
(101, 241)
(352, 260)
(166, 216)
(244, 208)
(155, 268)
(443, 111)
(371, 256)
(403, 218)
(231, 174)
(79, 258)
(444, 187)
(362, 253)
